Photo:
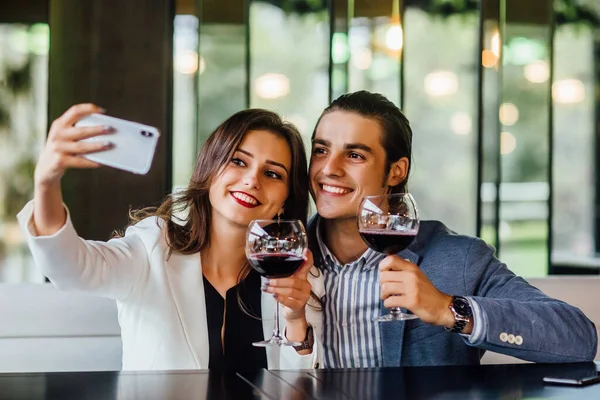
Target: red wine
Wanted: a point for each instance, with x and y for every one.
(275, 265)
(388, 242)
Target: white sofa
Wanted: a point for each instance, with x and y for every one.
(43, 329)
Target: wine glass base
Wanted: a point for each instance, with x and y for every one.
(275, 341)
(396, 317)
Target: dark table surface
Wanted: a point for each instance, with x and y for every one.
(520, 381)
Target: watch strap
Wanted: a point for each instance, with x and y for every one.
(308, 341)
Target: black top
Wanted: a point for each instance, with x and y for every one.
(236, 351)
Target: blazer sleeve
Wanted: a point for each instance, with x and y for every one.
(109, 269)
(550, 330)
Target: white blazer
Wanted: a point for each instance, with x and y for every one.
(161, 303)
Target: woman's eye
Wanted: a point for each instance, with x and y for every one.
(273, 174)
(238, 162)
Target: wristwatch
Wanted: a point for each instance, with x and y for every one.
(461, 309)
(309, 340)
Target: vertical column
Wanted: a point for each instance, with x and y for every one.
(489, 140)
(117, 54)
(341, 13)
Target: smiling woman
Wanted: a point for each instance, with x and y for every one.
(256, 178)
(186, 295)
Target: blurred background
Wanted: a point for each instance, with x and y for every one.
(503, 97)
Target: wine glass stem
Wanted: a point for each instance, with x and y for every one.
(276, 331)
(395, 311)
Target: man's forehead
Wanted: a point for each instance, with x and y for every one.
(347, 138)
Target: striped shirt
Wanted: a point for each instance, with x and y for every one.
(350, 334)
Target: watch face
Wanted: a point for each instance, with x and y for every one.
(462, 307)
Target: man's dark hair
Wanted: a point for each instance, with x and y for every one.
(396, 137)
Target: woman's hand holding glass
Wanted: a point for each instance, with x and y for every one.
(277, 249)
(293, 292)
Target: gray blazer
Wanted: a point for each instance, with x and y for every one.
(552, 330)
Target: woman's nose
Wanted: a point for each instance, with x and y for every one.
(251, 179)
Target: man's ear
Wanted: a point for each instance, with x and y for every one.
(398, 172)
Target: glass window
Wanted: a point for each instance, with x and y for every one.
(289, 62)
(23, 105)
(440, 102)
(575, 132)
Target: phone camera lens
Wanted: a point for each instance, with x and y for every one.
(146, 134)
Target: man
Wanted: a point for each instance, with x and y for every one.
(466, 300)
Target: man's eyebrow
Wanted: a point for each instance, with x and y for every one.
(358, 146)
(322, 142)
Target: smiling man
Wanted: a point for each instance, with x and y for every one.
(467, 301)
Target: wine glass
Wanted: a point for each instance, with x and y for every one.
(275, 249)
(388, 224)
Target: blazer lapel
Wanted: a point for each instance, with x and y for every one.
(184, 274)
(392, 333)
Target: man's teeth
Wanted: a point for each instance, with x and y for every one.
(245, 198)
(336, 190)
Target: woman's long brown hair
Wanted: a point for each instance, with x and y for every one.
(187, 214)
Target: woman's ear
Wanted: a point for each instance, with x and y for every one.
(398, 172)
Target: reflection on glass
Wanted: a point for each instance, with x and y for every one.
(222, 48)
(289, 62)
(23, 104)
(440, 102)
(376, 40)
(342, 13)
(186, 64)
(575, 103)
(490, 76)
(524, 116)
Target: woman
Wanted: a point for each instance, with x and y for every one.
(185, 294)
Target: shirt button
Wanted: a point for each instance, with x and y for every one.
(511, 338)
(518, 340)
(504, 337)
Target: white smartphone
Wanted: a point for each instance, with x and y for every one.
(134, 143)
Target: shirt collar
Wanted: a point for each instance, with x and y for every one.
(368, 260)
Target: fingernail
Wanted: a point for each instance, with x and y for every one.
(108, 145)
(264, 287)
(102, 110)
(109, 129)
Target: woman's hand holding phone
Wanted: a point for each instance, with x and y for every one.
(64, 148)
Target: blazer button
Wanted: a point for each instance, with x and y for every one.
(504, 337)
(511, 338)
(518, 340)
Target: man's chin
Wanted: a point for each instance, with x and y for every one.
(332, 213)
